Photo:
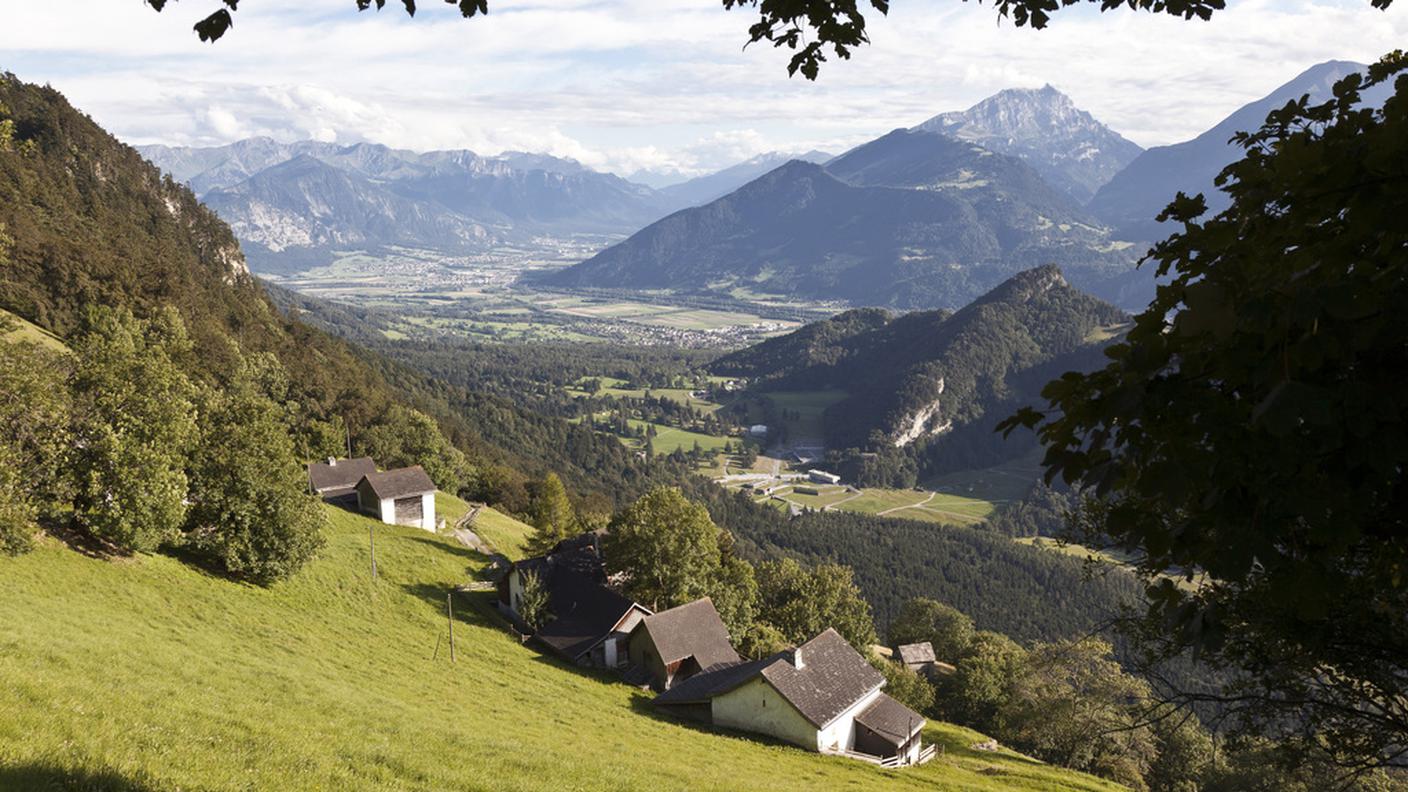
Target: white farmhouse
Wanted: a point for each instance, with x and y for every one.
(405, 496)
(822, 696)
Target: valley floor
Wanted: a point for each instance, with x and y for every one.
(148, 674)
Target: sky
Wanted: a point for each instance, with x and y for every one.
(655, 89)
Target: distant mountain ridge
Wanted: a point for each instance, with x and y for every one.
(910, 220)
(703, 189)
(371, 196)
(1131, 200)
(1066, 145)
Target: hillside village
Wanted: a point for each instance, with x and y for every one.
(824, 696)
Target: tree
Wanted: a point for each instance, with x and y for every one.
(810, 28)
(1253, 429)
(666, 546)
(17, 508)
(551, 514)
(801, 602)
(670, 553)
(1073, 705)
(982, 682)
(249, 510)
(134, 422)
(905, 686)
(533, 604)
(404, 437)
(922, 619)
(35, 412)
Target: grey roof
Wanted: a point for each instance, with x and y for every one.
(400, 482)
(890, 719)
(342, 474)
(833, 677)
(916, 653)
(690, 630)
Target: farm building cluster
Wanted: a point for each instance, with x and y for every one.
(404, 496)
(823, 695)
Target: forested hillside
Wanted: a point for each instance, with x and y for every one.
(931, 379)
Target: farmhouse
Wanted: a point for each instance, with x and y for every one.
(674, 645)
(337, 479)
(589, 622)
(405, 496)
(822, 696)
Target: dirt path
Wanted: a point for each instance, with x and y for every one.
(908, 506)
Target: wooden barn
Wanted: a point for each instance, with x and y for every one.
(674, 645)
(405, 496)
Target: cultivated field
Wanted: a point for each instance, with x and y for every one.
(145, 674)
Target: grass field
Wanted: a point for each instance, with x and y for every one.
(668, 438)
(1008, 482)
(27, 331)
(147, 674)
(809, 405)
(610, 386)
(502, 532)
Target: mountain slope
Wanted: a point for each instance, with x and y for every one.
(333, 681)
(1135, 196)
(911, 220)
(293, 214)
(922, 375)
(304, 203)
(1067, 146)
(703, 189)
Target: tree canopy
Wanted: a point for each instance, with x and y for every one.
(811, 29)
(1253, 427)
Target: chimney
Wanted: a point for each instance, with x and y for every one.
(795, 657)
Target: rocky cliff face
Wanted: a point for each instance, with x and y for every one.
(1066, 145)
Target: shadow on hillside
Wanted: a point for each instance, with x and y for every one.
(452, 547)
(642, 703)
(44, 777)
(81, 541)
(471, 607)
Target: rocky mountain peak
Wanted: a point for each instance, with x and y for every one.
(1069, 147)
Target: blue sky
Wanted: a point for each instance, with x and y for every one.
(663, 86)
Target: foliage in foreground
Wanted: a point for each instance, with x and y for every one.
(1253, 427)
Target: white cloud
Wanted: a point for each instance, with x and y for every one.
(650, 85)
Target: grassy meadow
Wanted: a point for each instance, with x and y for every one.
(146, 673)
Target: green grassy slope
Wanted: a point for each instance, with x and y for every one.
(147, 674)
(502, 532)
(25, 330)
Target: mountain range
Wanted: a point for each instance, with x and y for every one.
(914, 219)
(927, 217)
(1131, 200)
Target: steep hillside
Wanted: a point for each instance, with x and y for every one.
(333, 681)
(1070, 149)
(911, 220)
(923, 375)
(1135, 196)
(304, 204)
(90, 222)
